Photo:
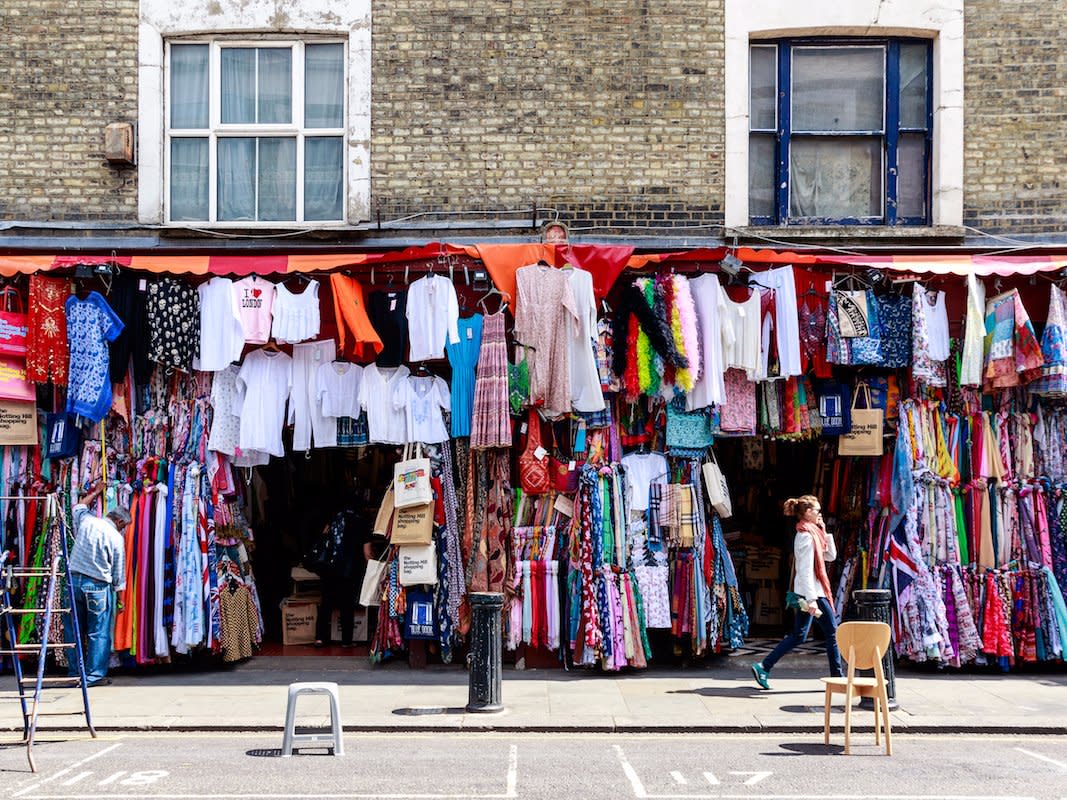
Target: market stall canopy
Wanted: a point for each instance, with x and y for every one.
(605, 262)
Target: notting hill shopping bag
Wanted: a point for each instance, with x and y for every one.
(14, 324)
(13, 383)
(865, 437)
(411, 479)
(413, 525)
(418, 565)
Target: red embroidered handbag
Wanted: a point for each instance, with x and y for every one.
(533, 470)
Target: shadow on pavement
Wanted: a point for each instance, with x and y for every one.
(806, 749)
(737, 691)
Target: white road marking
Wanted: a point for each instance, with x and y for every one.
(63, 772)
(679, 778)
(756, 777)
(110, 779)
(511, 788)
(80, 776)
(710, 778)
(629, 771)
(1041, 757)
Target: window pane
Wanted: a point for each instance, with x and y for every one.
(238, 67)
(277, 178)
(237, 179)
(188, 85)
(323, 177)
(835, 177)
(913, 85)
(188, 179)
(324, 85)
(763, 82)
(761, 186)
(838, 88)
(911, 177)
(275, 85)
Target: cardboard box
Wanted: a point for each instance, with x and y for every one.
(768, 608)
(360, 631)
(763, 563)
(299, 615)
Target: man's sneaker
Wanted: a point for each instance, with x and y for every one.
(761, 675)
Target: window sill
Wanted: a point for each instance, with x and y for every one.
(846, 233)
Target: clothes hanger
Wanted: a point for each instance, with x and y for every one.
(505, 298)
(271, 346)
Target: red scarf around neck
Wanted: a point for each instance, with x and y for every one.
(819, 535)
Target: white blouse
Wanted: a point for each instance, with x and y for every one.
(433, 317)
(222, 336)
(386, 424)
(296, 316)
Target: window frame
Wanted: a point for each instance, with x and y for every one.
(890, 134)
(218, 130)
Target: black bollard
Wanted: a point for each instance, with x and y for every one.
(872, 605)
(486, 661)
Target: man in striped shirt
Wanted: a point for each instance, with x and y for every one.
(97, 565)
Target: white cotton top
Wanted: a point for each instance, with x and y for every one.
(386, 424)
(263, 386)
(804, 581)
(423, 398)
(741, 334)
(786, 317)
(936, 326)
(710, 303)
(586, 393)
(337, 389)
(295, 316)
(642, 470)
(222, 336)
(225, 436)
(255, 302)
(433, 317)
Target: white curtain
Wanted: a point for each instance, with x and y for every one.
(323, 177)
(237, 179)
(275, 95)
(324, 86)
(277, 178)
(189, 86)
(238, 68)
(838, 88)
(835, 177)
(188, 179)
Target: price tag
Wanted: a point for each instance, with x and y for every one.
(470, 334)
(571, 465)
(522, 428)
(741, 311)
(540, 453)
(564, 505)
(142, 285)
(392, 304)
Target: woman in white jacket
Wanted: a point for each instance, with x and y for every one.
(812, 548)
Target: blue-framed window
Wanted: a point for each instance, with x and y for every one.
(840, 132)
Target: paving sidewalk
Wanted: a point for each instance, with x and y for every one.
(252, 697)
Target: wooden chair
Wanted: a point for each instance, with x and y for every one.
(862, 645)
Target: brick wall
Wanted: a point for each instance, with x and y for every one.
(69, 69)
(1015, 107)
(608, 111)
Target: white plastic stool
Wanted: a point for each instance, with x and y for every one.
(291, 738)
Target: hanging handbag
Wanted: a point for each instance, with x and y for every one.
(718, 490)
(13, 383)
(419, 619)
(418, 565)
(865, 437)
(413, 525)
(411, 479)
(533, 466)
(370, 592)
(563, 471)
(834, 408)
(64, 436)
(14, 325)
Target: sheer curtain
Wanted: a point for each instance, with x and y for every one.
(274, 103)
(324, 86)
(277, 178)
(237, 179)
(837, 177)
(323, 177)
(189, 86)
(188, 179)
(238, 68)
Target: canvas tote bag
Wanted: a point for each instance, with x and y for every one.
(413, 525)
(718, 490)
(865, 437)
(418, 565)
(411, 479)
(370, 593)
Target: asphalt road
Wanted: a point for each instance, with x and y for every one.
(464, 766)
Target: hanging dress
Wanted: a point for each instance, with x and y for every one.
(491, 423)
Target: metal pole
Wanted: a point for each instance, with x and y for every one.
(872, 605)
(486, 658)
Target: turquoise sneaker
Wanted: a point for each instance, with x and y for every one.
(761, 675)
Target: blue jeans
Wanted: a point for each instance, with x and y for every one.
(92, 603)
(801, 625)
